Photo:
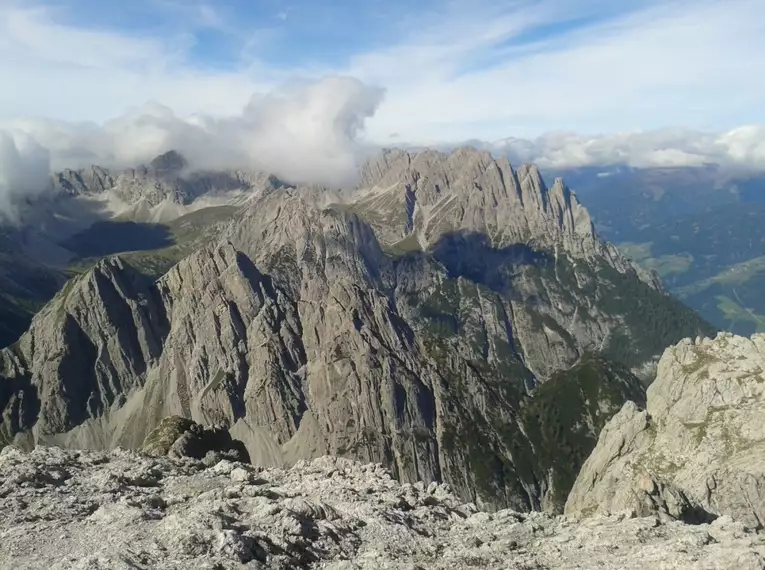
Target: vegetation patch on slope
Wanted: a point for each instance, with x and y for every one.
(565, 415)
(158, 247)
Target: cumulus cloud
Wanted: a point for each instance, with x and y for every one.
(23, 169)
(743, 147)
(304, 131)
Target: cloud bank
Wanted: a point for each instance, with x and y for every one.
(743, 147)
(303, 131)
(312, 131)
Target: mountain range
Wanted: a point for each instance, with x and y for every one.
(452, 318)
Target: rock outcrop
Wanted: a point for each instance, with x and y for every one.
(308, 336)
(112, 510)
(180, 437)
(698, 450)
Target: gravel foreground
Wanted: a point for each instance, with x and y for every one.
(122, 510)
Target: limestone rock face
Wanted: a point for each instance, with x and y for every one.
(167, 177)
(114, 510)
(420, 197)
(494, 194)
(698, 450)
(306, 334)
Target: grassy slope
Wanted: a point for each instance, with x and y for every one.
(730, 298)
(174, 241)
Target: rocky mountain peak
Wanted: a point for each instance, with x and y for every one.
(170, 163)
(414, 199)
(92, 180)
(302, 328)
(696, 452)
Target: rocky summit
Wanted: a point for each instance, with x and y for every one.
(123, 510)
(483, 343)
(697, 451)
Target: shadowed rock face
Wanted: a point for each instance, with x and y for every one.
(305, 333)
(697, 451)
(170, 163)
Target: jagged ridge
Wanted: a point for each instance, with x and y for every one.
(414, 199)
(303, 334)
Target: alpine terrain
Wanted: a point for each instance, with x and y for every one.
(452, 318)
(675, 486)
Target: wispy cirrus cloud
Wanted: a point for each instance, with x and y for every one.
(651, 66)
(456, 69)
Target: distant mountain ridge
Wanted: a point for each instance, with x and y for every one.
(98, 211)
(407, 197)
(160, 192)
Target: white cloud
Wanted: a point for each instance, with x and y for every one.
(303, 131)
(69, 82)
(671, 63)
(465, 71)
(23, 170)
(74, 73)
(471, 69)
(741, 147)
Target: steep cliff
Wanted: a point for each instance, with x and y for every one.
(305, 333)
(698, 449)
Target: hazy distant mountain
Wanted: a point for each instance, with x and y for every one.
(164, 210)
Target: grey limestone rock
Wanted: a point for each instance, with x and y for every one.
(696, 452)
(115, 510)
(307, 335)
(419, 197)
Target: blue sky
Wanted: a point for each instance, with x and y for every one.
(451, 70)
(309, 35)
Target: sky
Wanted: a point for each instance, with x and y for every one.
(563, 81)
